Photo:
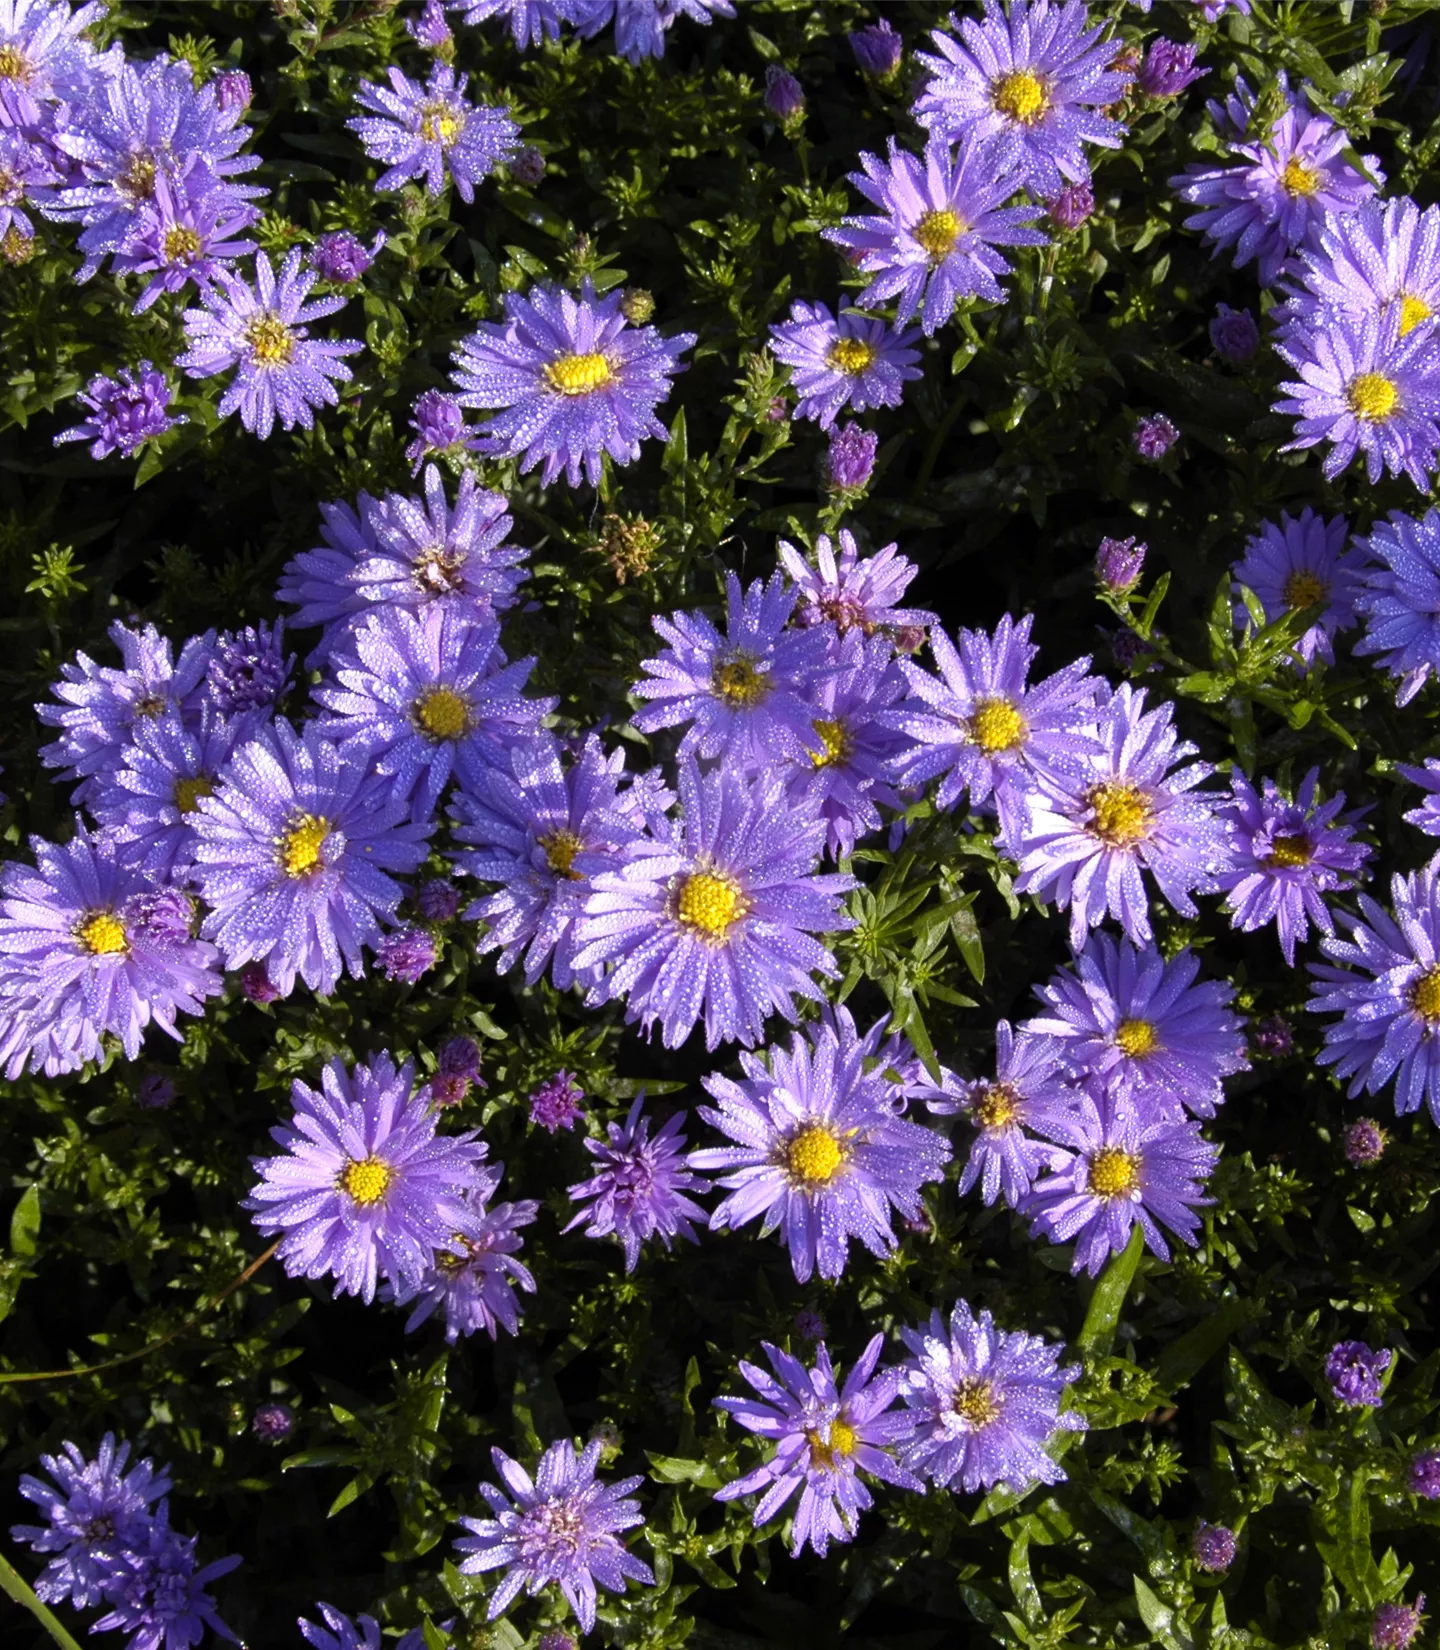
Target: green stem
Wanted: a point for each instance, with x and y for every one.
(13, 1585)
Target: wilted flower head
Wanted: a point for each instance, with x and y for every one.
(1397, 1624)
(1154, 436)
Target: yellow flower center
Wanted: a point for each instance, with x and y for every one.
(14, 65)
(739, 683)
(1286, 852)
(851, 355)
(271, 342)
(938, 232)
(1425, 995)
(150, 706)
(997, 1108)
(181, 244)
(1121, 814)
(438, 567)
(837, 741)
(975, 1402)
(103, 934)
(842, 1443)
(560, 849)
(815, 1156)
(1136, 1038)
(1372, 397)
(710, 902)
(1114, 1173)
(15, 247)
(189, 791)
(1413, 311)
(1298, 178)
(1304, 590)
(577, 374)
(300, 846)
(442, 713)
(137, 177)
(997, 726)
(1021, 94)
(366, 1179)
(439, 124)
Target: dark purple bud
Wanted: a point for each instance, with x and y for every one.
(1234, 334)
(339, 257)
(1365, 1142)
(556, 1103)
(1071, 207)
(1397, 1625)
(155, 1092)
(878, 49)
(439, 420)
(558, 1640)
(124, 411)
(1355, 1372)
(1424, 1475)
(257, 985)
(273, 1423)
(851, 459)
(1272, 1037)
(1118, 564)
(459, 1057)
(232, 90)
(1154, 437)
(1168, 69)
(249, 669)
(438, 900)
(809, 1326)
(407, 954)
(1213, 1546)
(909, 638)
(527, 165)
(1128, 649)
(784, 95)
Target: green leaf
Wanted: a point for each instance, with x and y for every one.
(25, 1223)
(678, 1469)
(1184, 1358)
(1097, 1333)
(1162, 1621)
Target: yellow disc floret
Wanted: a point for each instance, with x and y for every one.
(1425, 995)
(837, 741)
(1115, 1173)
(14, 65)
(1413, 311)
(1299, 179)
(366, 1179)
(710, 902)
(996, 725)
(1304, 589)
(997, 1107)
(938, 232)
(103, 934)
(272, 344)
(439, 123)
(189, 791)
(577, 374)
(975, 1402)
(560, 848)
(842, 1443)
(1136, 1038)
(136, 179)
(815, 1155)
(1021, 94)
(1371, 396)
(1121, 814)
(300, 846)
(1286, 852)
(739, 682)
(442, 713)
(852, 355)
(181, 244)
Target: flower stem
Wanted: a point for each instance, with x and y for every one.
(14, 1585)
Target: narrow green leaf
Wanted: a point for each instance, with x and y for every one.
(25, 1223)
(1097, 1333)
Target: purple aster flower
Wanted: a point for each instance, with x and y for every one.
(1234, 334)
(1213, 10)
(233, 90)
(407, 955)
(784, 95)
(714, 915)
(365, 1189)
(1399, 600)
(1365, 1142)
(1396, 1625)
(821, 1152)
(249, 670)
(877, 48)
(98, 1514)
(560, 1529)
(1388, 996)
(556, 1103)
(1113, 813)
(25, 170)
(1119, 564)
(405, 553)
(273, 1423)
(1302, 563)
(852, 591)
(640, 1190)
(641, 26)
(361, 1634)
(1384, 257)
(850, 461)
(1365, 389)
(1356, 1373)
(823, 1435)
(77, 959)
(1154, 436)
(746, 696)
(933, 240)
(1126, 1164)
(1141, 1025)
(573, 379)
(159, 1596)
(1427, 816)
(1213, 1547)
(293, 853)
(339, 257)
(982, 728)
(540, 827)
(430, 29)
(124, 411)
(1423, 1475)
(983, 1402)
(438, 421)
(262, 332)
(1168, 69)
(849, 360)
(184, 232)
(43, 52)
(426, 131)
(476, 1282)
(1028, 1082)
(426, 694)
(1071, 207)
(1284, 855)
(1033, 80)
(531, 21)
(155, 1092)
(438, 900)
(1287, 186)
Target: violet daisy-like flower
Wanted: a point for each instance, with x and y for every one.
(25, 171)
(1116, 812)
(1388, 996)
(1422, 1476)
(364, 1189)
(983, 1403)
(1287, 186)
(1142, 1025)
(559, 1528)
(361, 1634)
(639, 1192)
(1427, 816)
(426, 694)
(426, 131)
(714, 915)
(475, 1283)
(1284, 855)
(642, 26)
(249, 670)
(933, 240)
(1127, 1164)
(124, 412)
(539, 827)
(1399, 599)
(158, 1595)
(1028, 1082)
(747, 696)
(1384, 257)
(293, 854)
(983, 728)
(531, 21)
(556, 1103)
(572, 380)
(822, 1154)
(78, 959)
(824, 1435)
(1033, 79)
(849, 360)
(1356, 1373)
(185, 232)
(1364, 388)
(262, 333)
(851, 591)
(438, 421)
(339, 257)
(96, 1513)
(44, 53)
(1298, 564)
